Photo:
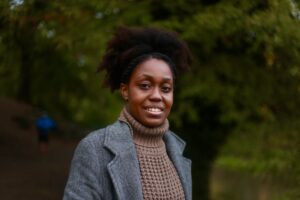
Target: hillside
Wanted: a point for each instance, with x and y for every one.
(25, 172)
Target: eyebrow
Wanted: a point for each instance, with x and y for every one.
(150, 76)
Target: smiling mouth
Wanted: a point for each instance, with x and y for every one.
(154, 110)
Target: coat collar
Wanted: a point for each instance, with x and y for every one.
(175, 147)
(124, 168)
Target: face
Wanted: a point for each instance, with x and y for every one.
(149, 93)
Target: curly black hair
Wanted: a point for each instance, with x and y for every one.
(131, 46)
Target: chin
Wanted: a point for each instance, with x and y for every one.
(153, 123)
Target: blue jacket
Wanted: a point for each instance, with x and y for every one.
(44, 124)
(105, 166)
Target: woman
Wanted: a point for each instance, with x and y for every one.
(137, 157)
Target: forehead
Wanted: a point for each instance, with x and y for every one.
(153, 67)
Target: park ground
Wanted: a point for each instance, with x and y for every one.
(25, 172)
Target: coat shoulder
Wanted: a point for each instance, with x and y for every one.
(104, 137)
(96, 136)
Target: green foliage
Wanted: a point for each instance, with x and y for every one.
(52, 62)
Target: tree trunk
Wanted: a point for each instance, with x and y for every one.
(25, 76)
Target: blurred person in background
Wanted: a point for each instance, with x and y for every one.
(44, 124)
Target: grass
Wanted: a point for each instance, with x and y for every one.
(268, 150)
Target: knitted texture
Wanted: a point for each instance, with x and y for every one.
(159, 177)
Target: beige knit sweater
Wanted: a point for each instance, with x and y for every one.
(160, 180)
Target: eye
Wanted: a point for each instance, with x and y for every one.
(166, 89)
(144, 86)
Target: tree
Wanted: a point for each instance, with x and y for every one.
(45, 55)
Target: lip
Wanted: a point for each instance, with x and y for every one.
(154, 110)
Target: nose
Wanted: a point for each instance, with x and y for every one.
(155, 94)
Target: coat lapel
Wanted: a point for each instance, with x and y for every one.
(175, 147)
(124, 168)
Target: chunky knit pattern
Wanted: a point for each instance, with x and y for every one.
(160, 180)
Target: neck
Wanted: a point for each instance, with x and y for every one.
(142, 135)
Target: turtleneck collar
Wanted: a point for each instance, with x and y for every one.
(142, 135)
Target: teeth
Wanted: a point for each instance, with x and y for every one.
(154, 109)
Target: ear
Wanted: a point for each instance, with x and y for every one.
(124, 91)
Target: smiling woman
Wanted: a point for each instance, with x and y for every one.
(137, 157)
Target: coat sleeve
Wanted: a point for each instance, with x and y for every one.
(83, 182)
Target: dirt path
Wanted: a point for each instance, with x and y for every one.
(24, 172)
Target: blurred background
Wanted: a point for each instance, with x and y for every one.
(237, 108)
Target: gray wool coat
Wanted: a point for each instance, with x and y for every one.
(105, 166)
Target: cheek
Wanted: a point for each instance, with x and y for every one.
(169, 100)
(135, 98)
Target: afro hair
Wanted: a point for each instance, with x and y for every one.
(130, 43)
